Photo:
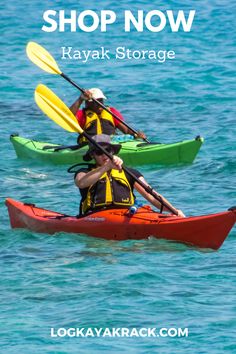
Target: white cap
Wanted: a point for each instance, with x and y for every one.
(97, 93)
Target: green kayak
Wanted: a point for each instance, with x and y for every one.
(133, 152)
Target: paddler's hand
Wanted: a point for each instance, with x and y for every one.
(87, 95)
(116, 164)
(140, 135)
(180, 213)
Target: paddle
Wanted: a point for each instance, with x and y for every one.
(42, 58)
(55, 109)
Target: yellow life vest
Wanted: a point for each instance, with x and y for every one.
(98, 124)
(113, 189)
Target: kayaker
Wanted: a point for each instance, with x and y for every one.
(95, 120)
(105, 184)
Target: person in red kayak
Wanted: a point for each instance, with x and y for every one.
(105, 184)
(95, 120)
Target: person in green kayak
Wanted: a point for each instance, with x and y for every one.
(95, 120)
(104, 184)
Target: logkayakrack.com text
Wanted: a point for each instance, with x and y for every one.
(118, 332)
(119, 53)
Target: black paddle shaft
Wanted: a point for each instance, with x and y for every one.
(100, 104)
(145, 187)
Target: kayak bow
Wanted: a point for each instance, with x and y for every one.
(207, 231)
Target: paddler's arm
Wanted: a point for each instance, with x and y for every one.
(85, 180)
(122, 127)
(154, 201)
(126, 130)
(76, 105)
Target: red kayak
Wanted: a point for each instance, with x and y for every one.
(207, 231)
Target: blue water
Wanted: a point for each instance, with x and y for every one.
(77, 281)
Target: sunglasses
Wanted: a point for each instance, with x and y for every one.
(100, 152)
(92, 103)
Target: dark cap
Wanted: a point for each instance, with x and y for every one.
(103, 140)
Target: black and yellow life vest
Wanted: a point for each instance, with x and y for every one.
(98, 124)
(110, 190)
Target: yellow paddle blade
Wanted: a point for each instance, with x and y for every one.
(40, 56)
(55, 109)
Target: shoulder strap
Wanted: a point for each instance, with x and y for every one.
(71, 168)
